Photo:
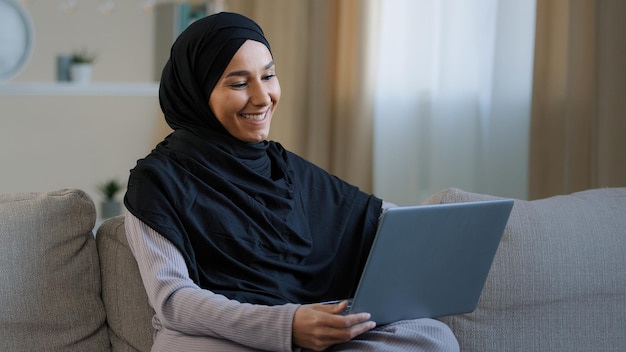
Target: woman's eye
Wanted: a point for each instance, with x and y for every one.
(269, 76)
(238, 85)
(244, 84)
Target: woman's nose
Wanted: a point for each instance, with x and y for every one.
(260, 94)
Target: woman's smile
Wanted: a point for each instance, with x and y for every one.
(254, 117)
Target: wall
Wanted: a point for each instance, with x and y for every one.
(50, 142)
(122, 40)
(51, 138)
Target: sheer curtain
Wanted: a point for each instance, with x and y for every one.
(453, 97)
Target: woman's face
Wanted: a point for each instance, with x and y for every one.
(246, 95)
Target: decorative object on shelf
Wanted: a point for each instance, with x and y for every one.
(64, 62)
(81, 66)
(16, 36)
(190, 11)
(110, 207)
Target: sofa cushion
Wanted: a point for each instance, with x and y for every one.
(558, 280)
(49, 274)
(129, 314)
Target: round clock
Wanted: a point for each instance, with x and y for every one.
(16, 39)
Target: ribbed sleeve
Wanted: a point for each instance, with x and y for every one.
(182, 306)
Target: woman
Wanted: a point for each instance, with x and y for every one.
(236, 237)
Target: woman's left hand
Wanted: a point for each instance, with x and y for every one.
(319, 326)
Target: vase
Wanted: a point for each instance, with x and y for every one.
(64, 62)
(80, 73)
(110, 208)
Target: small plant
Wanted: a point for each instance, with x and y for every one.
(109, 189)
(83, 57)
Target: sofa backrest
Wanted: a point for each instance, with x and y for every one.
(129, 314)
(49, 274)
(558, 281)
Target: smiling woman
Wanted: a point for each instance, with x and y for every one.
(16, 39)
(226, 224)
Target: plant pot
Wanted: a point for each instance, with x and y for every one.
(110, 208)
(81, 73)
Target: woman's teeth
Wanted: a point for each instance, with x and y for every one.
(257, 117)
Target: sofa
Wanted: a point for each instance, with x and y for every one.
(558, 281)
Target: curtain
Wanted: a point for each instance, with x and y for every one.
(453, 97)
(324, 53)
(579, 97)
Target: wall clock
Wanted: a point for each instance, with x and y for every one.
(16, 39)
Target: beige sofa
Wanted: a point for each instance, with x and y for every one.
(558, 282)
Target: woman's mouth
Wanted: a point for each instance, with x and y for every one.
(253, 117)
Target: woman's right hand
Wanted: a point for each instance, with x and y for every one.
(319, 326)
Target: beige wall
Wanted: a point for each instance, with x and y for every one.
(50, 139)
(49, 142)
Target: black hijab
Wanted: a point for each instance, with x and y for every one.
(253, 221)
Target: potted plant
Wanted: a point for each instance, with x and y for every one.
(110, 207)
(81, 66)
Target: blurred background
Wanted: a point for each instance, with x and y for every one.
(514, 98)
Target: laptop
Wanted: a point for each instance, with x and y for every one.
(430, 261)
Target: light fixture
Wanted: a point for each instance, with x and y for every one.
(106, 7)
(68, 6)
(147, 5)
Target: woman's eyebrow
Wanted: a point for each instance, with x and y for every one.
(245, 72)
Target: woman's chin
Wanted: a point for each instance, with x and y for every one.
(253, 138)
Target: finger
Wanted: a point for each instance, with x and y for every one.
(361, 328)
(334, 308)
(350, 320)
(339, 307)
(342, 334)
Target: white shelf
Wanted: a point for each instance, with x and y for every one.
(79, 89)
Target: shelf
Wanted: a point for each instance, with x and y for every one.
(79, 89)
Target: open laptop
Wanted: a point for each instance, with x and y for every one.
(430, 260)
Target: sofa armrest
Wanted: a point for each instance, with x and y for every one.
(129, 314)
